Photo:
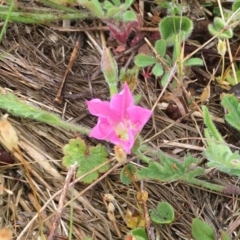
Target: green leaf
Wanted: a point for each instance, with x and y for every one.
(129, 16)
(157, 70)
(165, 78)
(169, 169)
(236, 6)
(231, 104)
(217, 152)
(201, 230)
(117, 2)
(14, 106)
(93, 6)
(193, 62)
(163, 214)
(86, 158)
(211, 127)
(113, 11)
(142, 60)
(172, 26)
(107, 5)
(161, 47)
(128, 3)
(217, 26)
(224, 235)
(128, 174)
(138, 234)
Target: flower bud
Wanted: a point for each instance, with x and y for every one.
(120, 154)
(221, 47)
(110, 70)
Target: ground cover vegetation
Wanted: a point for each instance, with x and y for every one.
(119, 120)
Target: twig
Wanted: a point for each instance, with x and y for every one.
(78, 196)
(58, 98)
(148, 227)
(71, 171)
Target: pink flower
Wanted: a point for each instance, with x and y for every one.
(118, 120)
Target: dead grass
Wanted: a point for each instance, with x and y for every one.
(33, 69)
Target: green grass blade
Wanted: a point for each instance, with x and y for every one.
(6, 20)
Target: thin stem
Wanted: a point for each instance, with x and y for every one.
(141, 156)
(223, 66)
(113, 89)
(204, 184)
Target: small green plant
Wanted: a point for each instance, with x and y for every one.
(167, 169)
(174, 30)
(218, 152)
(217, 29)
(106, 10)
(231, 104)
(175, 27)
(110, 9)
(173, 8)
(223, 27)
(87, 158)
(202, 231)
(16, 107)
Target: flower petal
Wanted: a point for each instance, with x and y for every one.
(139, 116)
(122, 101)
(103, 130)
(102, 109)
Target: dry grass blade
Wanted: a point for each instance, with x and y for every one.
(34, 61)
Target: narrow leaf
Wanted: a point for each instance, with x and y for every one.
(161, 47)
(232, 106)
(193, 62)
(142, 60)
(14, 106)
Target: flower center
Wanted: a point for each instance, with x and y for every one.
(122, 128)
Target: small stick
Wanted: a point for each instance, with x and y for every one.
(71, 171)
(58, 98)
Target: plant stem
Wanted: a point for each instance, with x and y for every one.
(113, 89)
(223, 66)
(207, 185)
(141, 156)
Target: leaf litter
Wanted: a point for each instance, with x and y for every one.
(33, 70)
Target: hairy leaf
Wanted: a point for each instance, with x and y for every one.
(86, 158)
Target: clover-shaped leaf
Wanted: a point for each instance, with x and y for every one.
(163, 214)
(172, 27)
(217, 26)
(201, 230)
(86, 158)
